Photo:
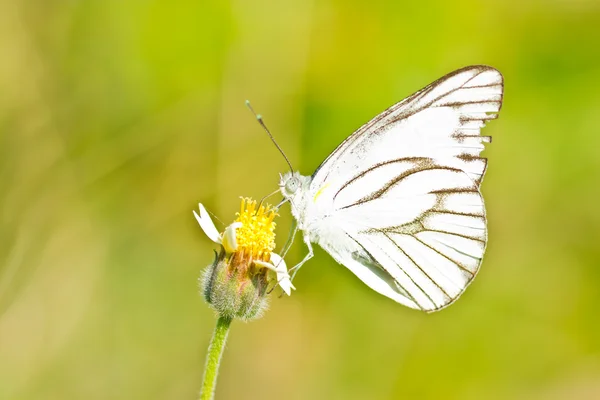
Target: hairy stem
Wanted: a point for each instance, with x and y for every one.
(213, 359)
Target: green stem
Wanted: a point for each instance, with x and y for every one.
(213, 359)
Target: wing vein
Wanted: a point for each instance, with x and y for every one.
(378, 193)
(419, 267)
(455, 234)
(446, 257)
(390, 275)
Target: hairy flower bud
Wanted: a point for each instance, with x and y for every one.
(233, 288)
(237, 282)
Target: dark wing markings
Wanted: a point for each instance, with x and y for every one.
(446, 211)
(449, 191)
(455, 234)
(433, 212)
(486, 117)
(423, 161)
(394, 181)
(483, 86)
(457, 104)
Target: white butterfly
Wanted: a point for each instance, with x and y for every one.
(398, 202)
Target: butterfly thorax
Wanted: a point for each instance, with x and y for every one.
(296, 189)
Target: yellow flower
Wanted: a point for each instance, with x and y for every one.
(255, 235)
(248, 244)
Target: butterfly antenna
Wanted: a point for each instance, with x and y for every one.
(262, 123)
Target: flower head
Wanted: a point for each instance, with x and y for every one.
(255, 235)
(237, 283)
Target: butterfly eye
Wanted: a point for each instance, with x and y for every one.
(292, 185)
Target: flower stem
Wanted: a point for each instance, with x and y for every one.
(213, 359)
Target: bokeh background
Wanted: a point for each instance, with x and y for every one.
(118, 117)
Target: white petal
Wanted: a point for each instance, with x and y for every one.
(207, 225)
(283, 277)
(264, 264)
(229, 241)
(279, 269)
(278, 262)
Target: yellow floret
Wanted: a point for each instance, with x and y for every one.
(256, 236)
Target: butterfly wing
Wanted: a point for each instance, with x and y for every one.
(425, 227)
(402, 201)
(441, 121)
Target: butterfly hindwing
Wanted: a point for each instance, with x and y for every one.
(427, 231)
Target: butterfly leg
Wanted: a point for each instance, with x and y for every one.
(290, 239)
(310, 255)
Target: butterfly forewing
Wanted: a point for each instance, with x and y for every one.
(443, 120)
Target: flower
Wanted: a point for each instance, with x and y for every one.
(237, 282)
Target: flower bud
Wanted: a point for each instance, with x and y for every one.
(234, 288)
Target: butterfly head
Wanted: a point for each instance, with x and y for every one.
(292, 183)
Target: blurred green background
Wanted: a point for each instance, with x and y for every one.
(118, 117)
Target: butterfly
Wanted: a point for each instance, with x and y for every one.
(398, 202)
